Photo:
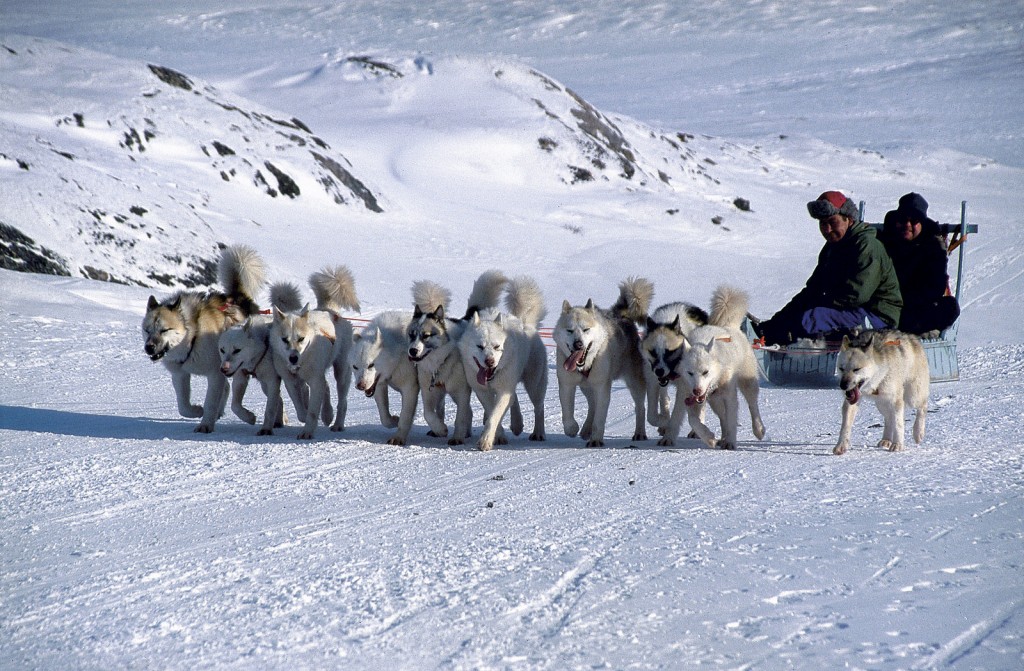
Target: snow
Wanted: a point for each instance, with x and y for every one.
(128, 541)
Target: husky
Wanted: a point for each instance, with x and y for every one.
(595, 347)
(499, 353)
(717, 361)
(245, 353)
(433, 348)
(892, 369)
(379, 359)
(308, 343)
(182, 331)
(662, 349)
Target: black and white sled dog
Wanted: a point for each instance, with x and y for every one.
(717, 362)
(662, 349)
(499, 353)
(892, 369)
(434, 349)
(305, 344)
(595, 347)
(245, 353)
(183, 330)
(379, 359)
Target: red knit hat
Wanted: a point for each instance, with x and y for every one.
(830, 203)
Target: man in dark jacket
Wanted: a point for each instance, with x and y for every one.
(919, 256)
(854, 285)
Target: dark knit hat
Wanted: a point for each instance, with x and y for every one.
(913, 206)
(833, 202)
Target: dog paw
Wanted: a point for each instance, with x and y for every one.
(192, 411)
(726, 445)
(759, 430)
(666, 442)
(885, 444)
(571, 429)
(485, 445)
(305, 435)
(438, 434)
(391, 422)
(895, 447)
(593, 443)
(204, 428)
(456, 441)
(537, 436)
(337, 427)
(639, 435)
(265, 432)
(841, 447)
(245, 415)
(500, 440)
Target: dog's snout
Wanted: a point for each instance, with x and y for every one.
(577, 344)
(293, 358)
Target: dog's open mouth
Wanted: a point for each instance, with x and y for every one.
(483, 373)
(576, 359)
(853, 395)
(696, 398)
(671, 377)
(372, 389)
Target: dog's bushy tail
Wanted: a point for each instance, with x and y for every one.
(335, 289)
(728, 307)
(635, 294)
(242, 272)
(486, 292)
(285, 296)
(526, 301)
(427, 296)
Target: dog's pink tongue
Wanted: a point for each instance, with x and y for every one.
(481, 375)
(852, 396)
(573, 362)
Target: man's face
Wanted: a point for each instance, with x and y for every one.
(834, 228)
(907, 229)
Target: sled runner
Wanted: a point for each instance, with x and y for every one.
(815, 367)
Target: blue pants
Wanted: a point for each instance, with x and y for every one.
(817, 322)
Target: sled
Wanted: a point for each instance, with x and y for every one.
(815, 367)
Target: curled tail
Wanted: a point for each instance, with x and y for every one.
(427, 296)
(728, 307)
(285, 296)
(635, 294)
(486, 292)
(526, 301)
(241, 272)
(335, 289)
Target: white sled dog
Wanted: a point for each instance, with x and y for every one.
(183, 330)
(662, 349)
(308, 343)
(245, 353)
(892, 369)
(434, 348)
(718, 361)
(499, 353)
(379, 360)
(595, 347)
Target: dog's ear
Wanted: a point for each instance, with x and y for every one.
(175, 304)
(651, 324)
(497, 320)
(416, 312)
(152, 304)
(247, 325)
(711, 344)
(475, 319)
(566, 307)
(845, 344)
(687, 345)
(278, 314)
(305, 310)
(676, 326)
(439, 314)
(590, 304)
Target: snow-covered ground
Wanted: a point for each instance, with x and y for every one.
(128, 541)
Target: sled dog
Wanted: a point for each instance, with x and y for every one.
(892, 369)
(182, 331)
(307, 343)
(717, 361)
(499, 353)
(595, 347)
(433, 348)
(662, 349)
(245, 353)
(379, 358)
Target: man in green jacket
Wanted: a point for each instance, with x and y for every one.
(854, 285)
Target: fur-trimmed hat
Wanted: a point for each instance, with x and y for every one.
(833, 202)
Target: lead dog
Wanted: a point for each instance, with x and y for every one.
(595, 347)
(434, 349)
(499, 353)
(717, 362)
(892, 369)
(183, 330)
(308, 343)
